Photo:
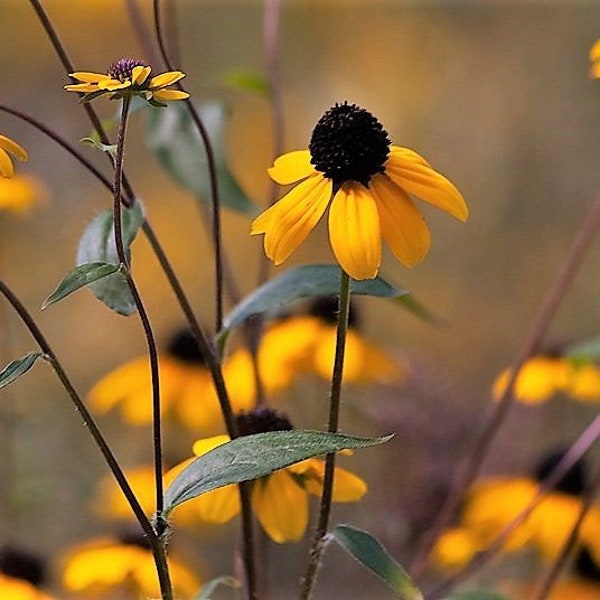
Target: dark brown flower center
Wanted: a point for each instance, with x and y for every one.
(122, 69)
(326, 309)
(261, 420)
(21, 565)
(349, 144)
(183, 346)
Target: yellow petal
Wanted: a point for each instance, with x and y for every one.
(347, 487)
(139, 74)
(455, 548)
(281, 507)
(19, 194)
(354, 231)
(84, 88)
(402, 226)
(169, 95)
(11, 146)
(411, 172)
(88, 77)
(7, 168)
(584, 383)
(217, 506)
(291, 167)
(165, 79)
(111, 85)
(289, 221)
(205, 445)
(595, 51)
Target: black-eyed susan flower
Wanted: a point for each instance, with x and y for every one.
(545, 375)
(20, 193)
(187, 390)
(122, 566)
(352, 168)
(128, 77)
(494, 502)
(21, 575)
(279, 500)
(9, 147)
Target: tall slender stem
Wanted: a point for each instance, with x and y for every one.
(483, 441)
(334, 413)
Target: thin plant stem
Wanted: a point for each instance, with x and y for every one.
(318, 545)
(97, 436)
(212, 175)
(532, 343)
(583, 443)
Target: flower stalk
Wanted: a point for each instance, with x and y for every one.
(317, 545)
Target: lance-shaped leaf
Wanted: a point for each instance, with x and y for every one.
(371, 554)
(477, 595)
(174, 138)
(18, 367)
(80, 277)
(97, 244)
(253, 456)
(308, 281)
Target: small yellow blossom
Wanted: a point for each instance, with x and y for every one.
(128, 76)
(8, 147)
(352, 169)
(545, 375)
(113, 566)
(279, 500)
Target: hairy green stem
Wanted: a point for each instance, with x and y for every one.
(317, 545)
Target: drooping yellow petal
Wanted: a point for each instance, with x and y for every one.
(217, 506)
(83, 88)
(11, 146)
(205, 445)
(7, 169)
(584, 383)
(354, 231)
(13, 588)
(165, 79)
(88, 77)
(402, 226)
(347, 487)
(110, 85)
(169, 95)
(595, 51)
(411, 172)
(281, 507)
(291, 167)
(290, 220)
(139, 74)
(455, 548)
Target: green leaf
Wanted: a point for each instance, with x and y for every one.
(172, 135)
(371, 554)
(110, 149)
(247, 81)
(253, 456)
(97, 244)
(16, 368)
(211, 586)
(80, 277)
(305, 282)
(476, 595)
(584, 351)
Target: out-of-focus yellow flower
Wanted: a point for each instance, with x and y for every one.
(351, 168)
(595, 60)
(12, 588)
(186, 386)
(280, 500)
(492, 504)
(545, 375)
(128, 76)
(112, 565)
(9, 147)
(20, 193)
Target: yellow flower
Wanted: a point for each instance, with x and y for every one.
(492, 504)
(352, 169)
(8, 147)
(128, 76)
(595, 60)
(12, 588)
(545, 375)
(280, 500)
(186, 386)
(20, 193)
(112, 565)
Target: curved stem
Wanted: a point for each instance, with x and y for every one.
(334, 413)
(212, 174)
(530, 346)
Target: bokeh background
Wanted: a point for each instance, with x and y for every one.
(495, 94)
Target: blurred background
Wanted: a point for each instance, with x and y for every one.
(496, 95)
